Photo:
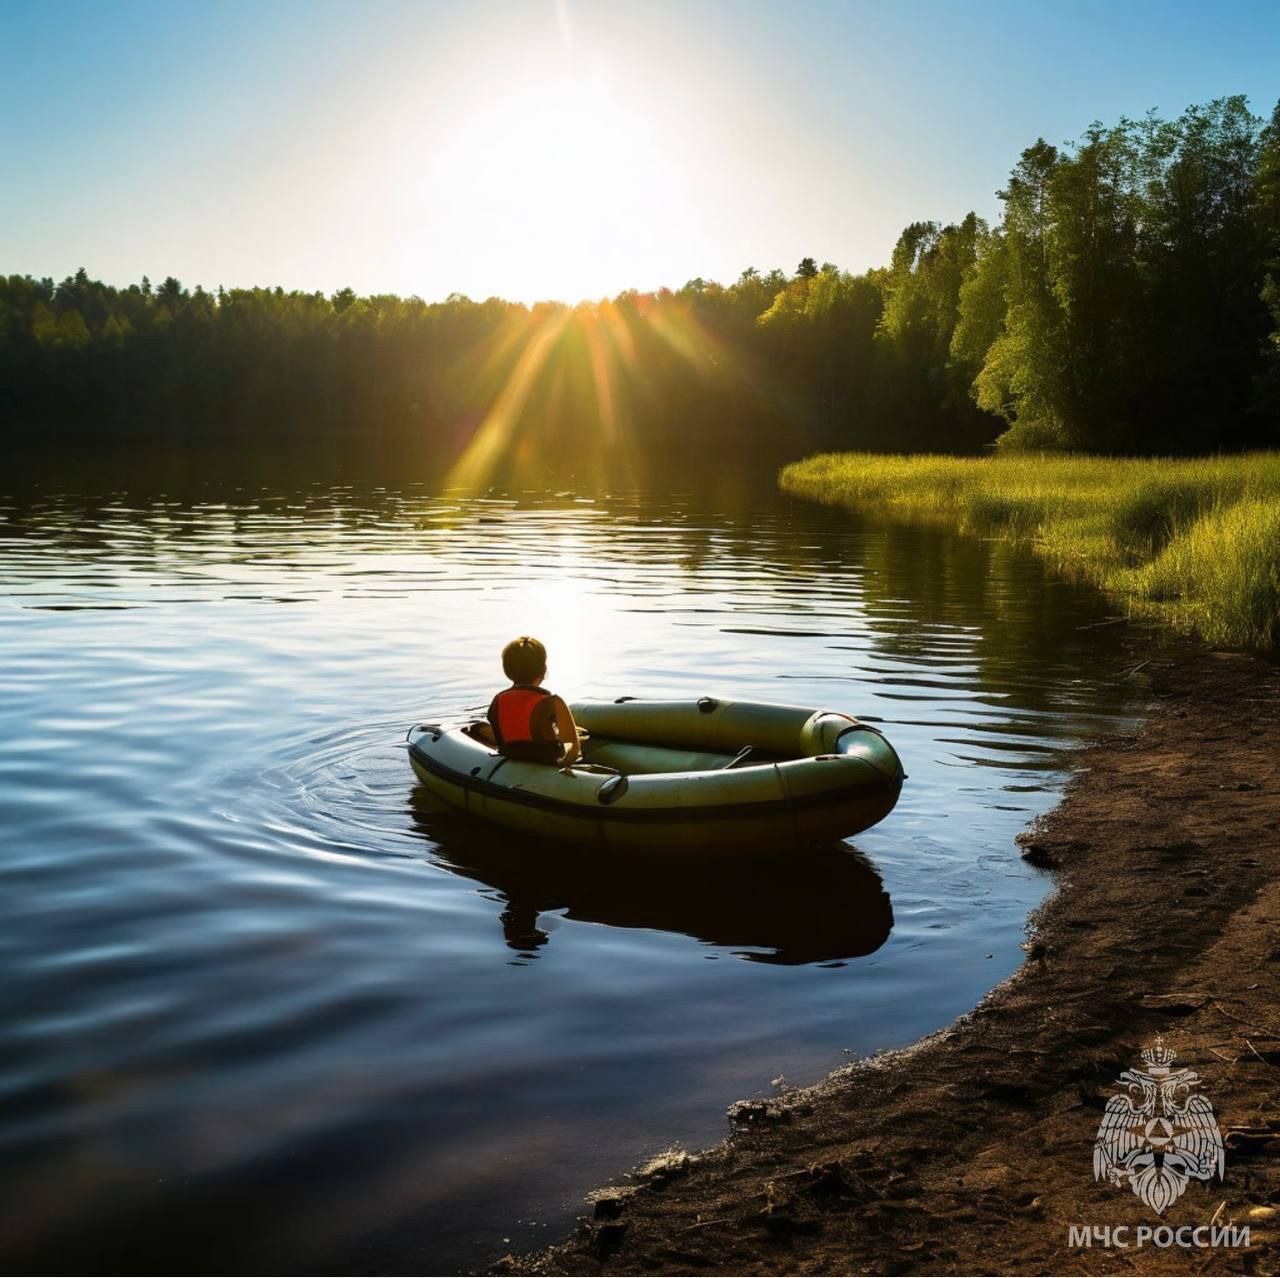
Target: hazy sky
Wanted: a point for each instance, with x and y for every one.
(537, 149)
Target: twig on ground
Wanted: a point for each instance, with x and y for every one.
(1240, 1020)
(702, 1224)
(1257, 1053)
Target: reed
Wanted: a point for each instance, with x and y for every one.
(1193, 542)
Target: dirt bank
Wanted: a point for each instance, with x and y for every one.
(971, 1153)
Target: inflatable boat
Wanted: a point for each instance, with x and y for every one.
(676, 776)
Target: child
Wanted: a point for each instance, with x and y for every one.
(529, 722)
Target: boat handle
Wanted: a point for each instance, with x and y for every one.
(612, 789)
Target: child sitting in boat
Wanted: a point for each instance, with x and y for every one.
(527, 721)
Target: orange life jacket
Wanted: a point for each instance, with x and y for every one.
(511, 718)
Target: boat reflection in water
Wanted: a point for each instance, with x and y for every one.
(815, 905)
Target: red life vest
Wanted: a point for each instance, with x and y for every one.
(511, 718)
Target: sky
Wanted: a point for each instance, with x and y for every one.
(539, 149)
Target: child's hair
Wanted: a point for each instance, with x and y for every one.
(524, 659)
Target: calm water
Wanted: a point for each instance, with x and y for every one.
(263, 1009)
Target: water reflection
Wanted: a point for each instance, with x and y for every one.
(813, 905)
(252, 995)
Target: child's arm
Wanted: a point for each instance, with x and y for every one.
(568, 735)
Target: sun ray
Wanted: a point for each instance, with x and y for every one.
(602, 377)
(494, 437)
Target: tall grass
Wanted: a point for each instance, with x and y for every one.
(1195, 543)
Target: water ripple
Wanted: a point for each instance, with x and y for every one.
(245, 962)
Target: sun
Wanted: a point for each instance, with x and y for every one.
(561, 174)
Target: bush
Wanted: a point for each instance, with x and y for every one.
(1146, 519)
(1224, 572)
(1028, 436)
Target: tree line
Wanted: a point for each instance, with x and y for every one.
(1127, 301)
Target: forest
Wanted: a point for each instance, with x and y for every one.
(1126, 302)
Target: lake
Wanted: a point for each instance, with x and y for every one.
(264, 1009)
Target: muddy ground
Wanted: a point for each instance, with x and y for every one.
(971, 1153)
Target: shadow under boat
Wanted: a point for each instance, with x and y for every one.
(813, 905)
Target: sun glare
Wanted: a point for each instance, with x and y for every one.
(566, 617)
(563, 174)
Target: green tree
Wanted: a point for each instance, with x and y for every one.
(1021, 376)
(1266, 402)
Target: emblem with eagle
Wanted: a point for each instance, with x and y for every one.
(1158, 1134)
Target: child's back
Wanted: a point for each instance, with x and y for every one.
(528, 721)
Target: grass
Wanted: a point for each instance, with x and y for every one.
(1194, 543)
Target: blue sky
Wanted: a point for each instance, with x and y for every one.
(535, 148)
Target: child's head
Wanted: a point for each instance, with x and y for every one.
(524, 660)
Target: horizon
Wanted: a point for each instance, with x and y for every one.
(546, 153)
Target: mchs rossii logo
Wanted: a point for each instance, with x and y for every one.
(1159, 1133)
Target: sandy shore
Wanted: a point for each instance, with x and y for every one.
(971, 1153)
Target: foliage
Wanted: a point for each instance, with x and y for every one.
(1127, 302)
(1134, 269)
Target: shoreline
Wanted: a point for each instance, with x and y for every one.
(1188, 542)
(971, 1151)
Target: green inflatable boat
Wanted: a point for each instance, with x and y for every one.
(676, 776)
